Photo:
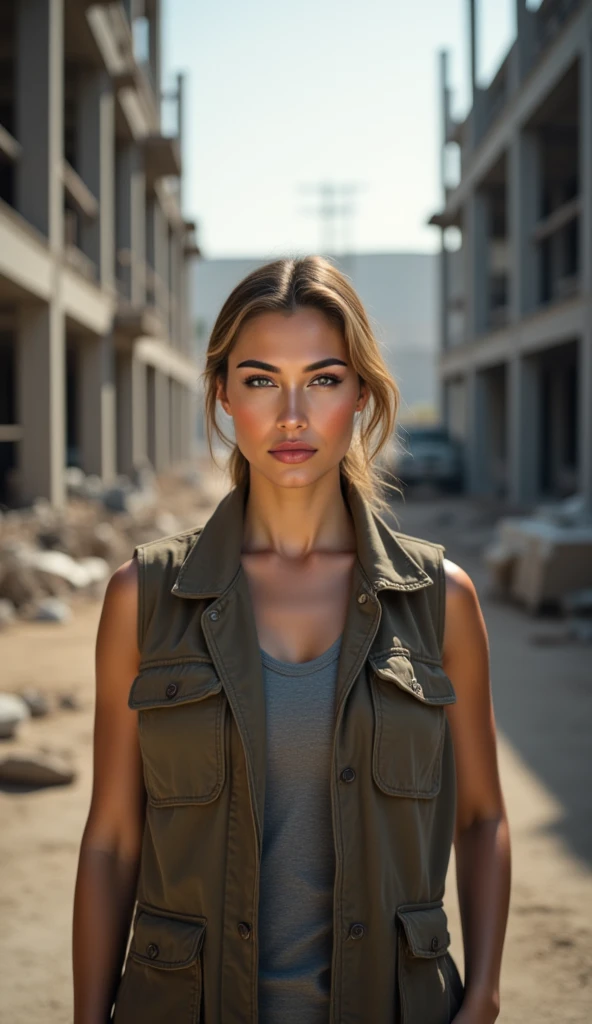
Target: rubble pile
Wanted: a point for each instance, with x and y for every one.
(546, 559)
(49, 555)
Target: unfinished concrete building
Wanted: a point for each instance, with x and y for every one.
(516, 313)
(97, 364)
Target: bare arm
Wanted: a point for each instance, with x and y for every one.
(110, 848)
(482, 841)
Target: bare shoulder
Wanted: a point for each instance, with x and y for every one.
(119, 616)
(464, 623)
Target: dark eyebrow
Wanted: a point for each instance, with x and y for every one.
(257, 364)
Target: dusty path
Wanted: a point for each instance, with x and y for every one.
(543, 702)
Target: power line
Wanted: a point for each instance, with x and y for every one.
(334, 213)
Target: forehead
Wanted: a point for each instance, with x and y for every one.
(289, 336)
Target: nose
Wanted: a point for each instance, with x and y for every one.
(292, 414)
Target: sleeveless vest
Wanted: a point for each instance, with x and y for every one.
(193, 950)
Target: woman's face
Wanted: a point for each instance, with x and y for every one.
(290, 382)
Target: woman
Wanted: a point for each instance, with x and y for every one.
(282, 697)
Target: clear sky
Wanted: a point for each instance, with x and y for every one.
(281, 95)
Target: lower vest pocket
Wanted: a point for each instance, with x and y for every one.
(429, 985)
(163, 976)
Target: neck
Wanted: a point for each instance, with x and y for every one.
(295, 522)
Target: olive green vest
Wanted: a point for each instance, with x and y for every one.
(193, 955)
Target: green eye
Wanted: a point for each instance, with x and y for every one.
(249, 381)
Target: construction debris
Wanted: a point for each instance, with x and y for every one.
(13, 711)
(49, 556)
(540, 559)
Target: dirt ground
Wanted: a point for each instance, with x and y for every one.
(543, 701)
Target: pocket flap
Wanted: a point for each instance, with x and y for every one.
(162, 685)
(426, 682)
(166, 942)
(426, 929)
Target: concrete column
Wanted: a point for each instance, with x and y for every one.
(193, 409)
(524, 201)
(444, 278)
(158, 255)
(585, 341)
(96, 166)
(131, 221)
(524, 437)
(476, 251)
(173, 288)
(556, 413)
(174, 420)
(97, 407)
(162, 422)
(155, 43)
(41, 374)
(525, 44)
(132, 424)
(585, 165)
(184, 293)
(478, 434)
(39, 92)
(182, 401)
(585, 413)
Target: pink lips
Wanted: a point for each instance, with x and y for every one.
(292, 452)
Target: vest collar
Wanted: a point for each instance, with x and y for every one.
(214, 558)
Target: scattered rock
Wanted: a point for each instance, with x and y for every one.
(69, 702)
(36, 768)
(7, 612)
(51, 609)
(13, 711)
(36, 702)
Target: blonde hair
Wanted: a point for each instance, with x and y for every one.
(287, 285)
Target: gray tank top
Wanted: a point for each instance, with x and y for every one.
(297, 866)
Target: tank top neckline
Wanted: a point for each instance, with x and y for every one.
(302, 668)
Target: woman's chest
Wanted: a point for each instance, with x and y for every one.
(299, 607)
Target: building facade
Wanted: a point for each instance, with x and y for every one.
(97, 366)
(400, 294)
(516, 309)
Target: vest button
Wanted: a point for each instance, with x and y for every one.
(214, 615)
(348, 775)
(434, 944)
(244, 930)
(357, 930)
(362, 598)
(171, 690)
(152, 950)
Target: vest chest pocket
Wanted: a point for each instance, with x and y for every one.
(181, 712)
(409, 700)
(163, 976)
(429, 985)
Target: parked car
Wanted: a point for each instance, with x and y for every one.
(427, 454)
